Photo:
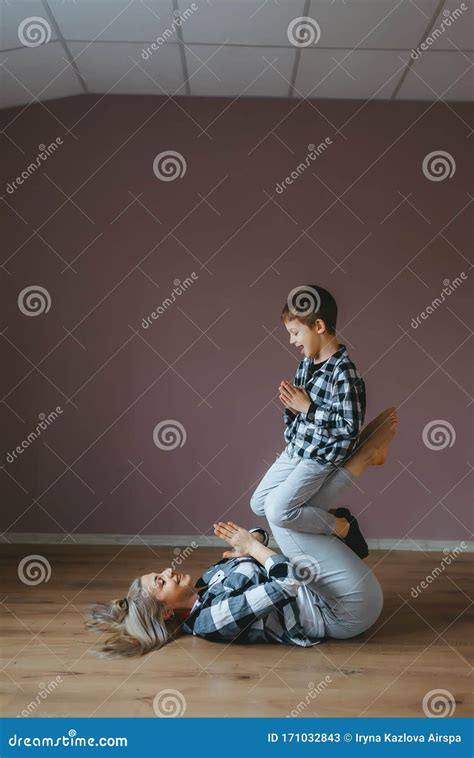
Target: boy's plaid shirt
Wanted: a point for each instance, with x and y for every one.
(330, 429)
(246, 602)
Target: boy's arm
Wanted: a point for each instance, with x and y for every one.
(344, 414)
(298, 380)
(288, 416)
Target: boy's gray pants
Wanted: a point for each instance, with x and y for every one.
(295, 495)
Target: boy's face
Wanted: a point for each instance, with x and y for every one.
(305, 337)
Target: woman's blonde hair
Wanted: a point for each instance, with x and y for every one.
(135, 624)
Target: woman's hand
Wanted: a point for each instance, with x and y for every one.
(238, 537)
(295, 398)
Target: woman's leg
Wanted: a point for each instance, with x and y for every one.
(348, 595)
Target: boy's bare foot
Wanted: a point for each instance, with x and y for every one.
(236, 553)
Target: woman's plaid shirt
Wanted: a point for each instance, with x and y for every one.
(330, 429)
(246, 602)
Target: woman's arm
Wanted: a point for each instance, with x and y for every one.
(260, 552)
(230, 613)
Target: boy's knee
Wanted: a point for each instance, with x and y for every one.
(276, 513)
(257, 504)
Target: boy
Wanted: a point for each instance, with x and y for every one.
(324, 414)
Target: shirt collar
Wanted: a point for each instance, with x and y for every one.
(340, 352)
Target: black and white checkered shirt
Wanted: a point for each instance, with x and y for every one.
(246, 602)
(330, 429)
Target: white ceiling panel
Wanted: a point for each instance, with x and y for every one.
(24, 21)
(120, 69)
(246, 22)
(372, 23)
(42, 73)
(115, 20)
(449, 75)
(226, 48)
(453, 31)
(233, 71)
(353, 75)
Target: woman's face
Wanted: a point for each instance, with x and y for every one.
(170, 587)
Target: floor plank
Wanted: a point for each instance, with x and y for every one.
(418, 645)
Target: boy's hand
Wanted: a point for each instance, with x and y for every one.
(282, 400)
(295, 398)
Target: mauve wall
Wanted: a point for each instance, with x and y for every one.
(107, 239)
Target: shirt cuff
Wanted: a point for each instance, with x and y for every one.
(274, 560)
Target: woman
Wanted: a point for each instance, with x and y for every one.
(317, 588)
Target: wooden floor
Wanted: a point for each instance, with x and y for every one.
(418, 645)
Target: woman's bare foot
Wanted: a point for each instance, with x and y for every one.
(369, 429)
(377, 436)
(236, 553)
(374, 442)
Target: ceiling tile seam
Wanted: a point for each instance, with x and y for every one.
(296, 63)
(182, 52)
(411, 61)
(242, 44)
(62, 41)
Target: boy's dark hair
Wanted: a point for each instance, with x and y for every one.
(308, 303)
